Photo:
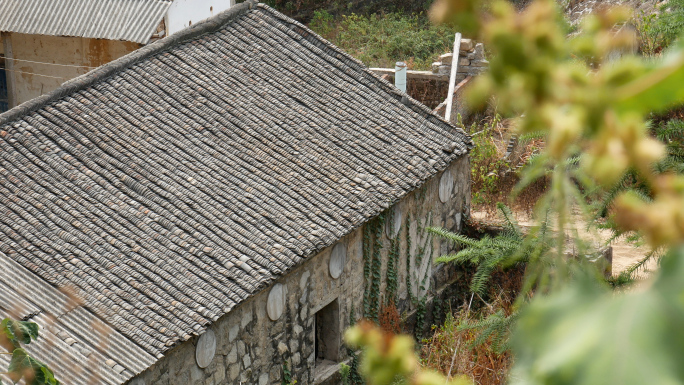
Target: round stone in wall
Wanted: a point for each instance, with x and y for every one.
(276, 302)
(446, 186)
(338, 257)
(396, 222)
(206, 348)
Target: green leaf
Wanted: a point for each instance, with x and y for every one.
(19, 331)
(44, 376)
(586, 334)
(454, 237)
(27, 331)
(32, 370)
(657, 90)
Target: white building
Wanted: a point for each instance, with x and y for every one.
(47, 42)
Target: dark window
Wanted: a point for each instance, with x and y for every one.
(328, 332)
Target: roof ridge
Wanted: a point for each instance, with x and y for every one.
(105, 71)
(409, 102)
(64, 142)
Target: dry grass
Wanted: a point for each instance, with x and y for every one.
(451, 350)
(390, 320)
(495, 179)
(480, 363)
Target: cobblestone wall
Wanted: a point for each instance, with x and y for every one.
(251, 347)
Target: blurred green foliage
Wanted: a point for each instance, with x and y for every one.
(585, 334)
(590, 98)
(13, 335)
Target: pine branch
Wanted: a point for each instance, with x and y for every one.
(454, 237)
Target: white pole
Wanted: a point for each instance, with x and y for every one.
(452, 77)
(400, 76)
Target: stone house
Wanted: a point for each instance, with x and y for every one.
(220, 202)
(47, 42)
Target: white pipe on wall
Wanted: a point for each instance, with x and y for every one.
(400, 76)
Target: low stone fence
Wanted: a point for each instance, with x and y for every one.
(431, 87)
(471, 61)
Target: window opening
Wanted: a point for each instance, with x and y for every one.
(328, 332)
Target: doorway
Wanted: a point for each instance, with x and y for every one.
(328, 333)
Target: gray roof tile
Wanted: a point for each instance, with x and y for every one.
(170, 185)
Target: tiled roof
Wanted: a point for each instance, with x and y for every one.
(171, 184)
(132, 20)
(77, 345)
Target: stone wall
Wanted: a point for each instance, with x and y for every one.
(251, 347)
(471, 61)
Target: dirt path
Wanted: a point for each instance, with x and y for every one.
(625, 254)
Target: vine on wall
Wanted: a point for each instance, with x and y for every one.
(366, 267)
(392, 261)
(409, 243)
(422, 251)
(350, 374)
(420, 302)
(372, 246)
(372, 269)
(376, 268)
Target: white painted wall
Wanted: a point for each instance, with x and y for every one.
(184, 13)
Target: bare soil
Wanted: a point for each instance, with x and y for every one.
(625, 254)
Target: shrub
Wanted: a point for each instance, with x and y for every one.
(657, 31)
(380, 40)
(322, 22)
(487, 164)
